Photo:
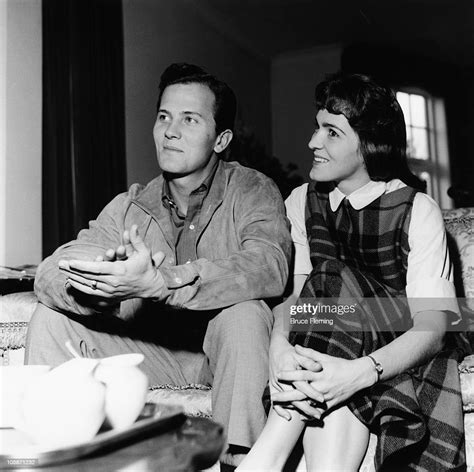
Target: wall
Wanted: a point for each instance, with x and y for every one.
(157, 33)
(294, 76)
(20, 131)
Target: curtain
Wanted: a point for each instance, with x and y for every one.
(83, 114)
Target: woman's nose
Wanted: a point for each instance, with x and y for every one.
(315, 142)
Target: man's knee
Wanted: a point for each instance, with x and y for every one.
(246, 316)
(245, 325)
(44, 320)
(44, 333)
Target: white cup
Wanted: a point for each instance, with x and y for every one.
(14, 380)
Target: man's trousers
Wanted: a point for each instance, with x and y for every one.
(229, 351)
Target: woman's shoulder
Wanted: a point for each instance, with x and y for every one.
(298, 193)
(296, 201)
(421, 201)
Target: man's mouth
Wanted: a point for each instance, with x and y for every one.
(171, 148)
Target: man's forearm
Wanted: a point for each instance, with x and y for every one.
(256, 273)
(53, 291)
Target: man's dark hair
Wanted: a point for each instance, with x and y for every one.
(225, 103)
(375, 115)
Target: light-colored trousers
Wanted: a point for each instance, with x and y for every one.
(234, 358)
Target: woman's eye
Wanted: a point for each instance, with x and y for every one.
(332, 133)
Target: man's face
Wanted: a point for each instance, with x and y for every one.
(185, 130)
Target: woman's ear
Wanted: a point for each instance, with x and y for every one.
(223, 140)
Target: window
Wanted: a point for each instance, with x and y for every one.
(427, 145)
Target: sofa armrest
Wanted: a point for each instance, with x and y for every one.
(16, 310)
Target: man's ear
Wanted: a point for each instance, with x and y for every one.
(223, 140)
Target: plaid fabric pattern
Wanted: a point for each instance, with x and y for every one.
(417, 415)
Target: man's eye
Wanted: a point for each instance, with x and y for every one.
(190, 120)
(162, 117)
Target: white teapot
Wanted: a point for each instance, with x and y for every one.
(126, 388)
(64, 406)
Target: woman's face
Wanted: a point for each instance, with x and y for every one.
(336, 154)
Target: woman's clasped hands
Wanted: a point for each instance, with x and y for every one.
(320, 382)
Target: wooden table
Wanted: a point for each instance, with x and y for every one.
(195, 444)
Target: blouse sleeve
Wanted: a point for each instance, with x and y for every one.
(429, 273)
(295, 211)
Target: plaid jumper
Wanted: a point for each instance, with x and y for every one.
(362, 254)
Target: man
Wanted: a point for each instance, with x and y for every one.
(179, 266)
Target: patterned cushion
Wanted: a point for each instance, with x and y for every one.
(194, 398)
(460, 228)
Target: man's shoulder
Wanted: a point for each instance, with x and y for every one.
(136, 191)
(244, 176)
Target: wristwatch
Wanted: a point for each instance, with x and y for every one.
(378, 367)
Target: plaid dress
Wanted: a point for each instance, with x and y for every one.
(362, 254)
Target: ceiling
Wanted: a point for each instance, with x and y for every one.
(442, 29)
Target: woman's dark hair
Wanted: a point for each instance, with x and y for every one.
(225, 104)
(375, 115)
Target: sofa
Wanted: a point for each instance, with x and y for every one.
(17, 308)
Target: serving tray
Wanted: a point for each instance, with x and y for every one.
(18, 450)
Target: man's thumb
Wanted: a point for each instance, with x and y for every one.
(136, 240)
(158, 258)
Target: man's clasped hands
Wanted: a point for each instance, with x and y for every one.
(128, 271)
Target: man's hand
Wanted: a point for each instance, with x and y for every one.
(323, 378)
(121, 253)
(136, 276)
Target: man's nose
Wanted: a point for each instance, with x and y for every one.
(316, 141)
(173, 130)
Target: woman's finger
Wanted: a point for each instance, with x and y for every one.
(307, 409)
(310, 391)
(308, 364)
(280, 411)
(294, 375)
(311, 353)
(288, 396)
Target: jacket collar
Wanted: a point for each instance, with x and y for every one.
(150, 199)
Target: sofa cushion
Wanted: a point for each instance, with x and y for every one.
(460, 230)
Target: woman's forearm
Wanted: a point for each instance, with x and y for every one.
(415, 347)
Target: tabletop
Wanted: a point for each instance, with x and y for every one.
(194, 445)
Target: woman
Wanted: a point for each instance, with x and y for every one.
(363, 231)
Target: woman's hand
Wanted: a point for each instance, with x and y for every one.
(283, 357)
(336, 380)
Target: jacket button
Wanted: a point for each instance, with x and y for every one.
(191, 227)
